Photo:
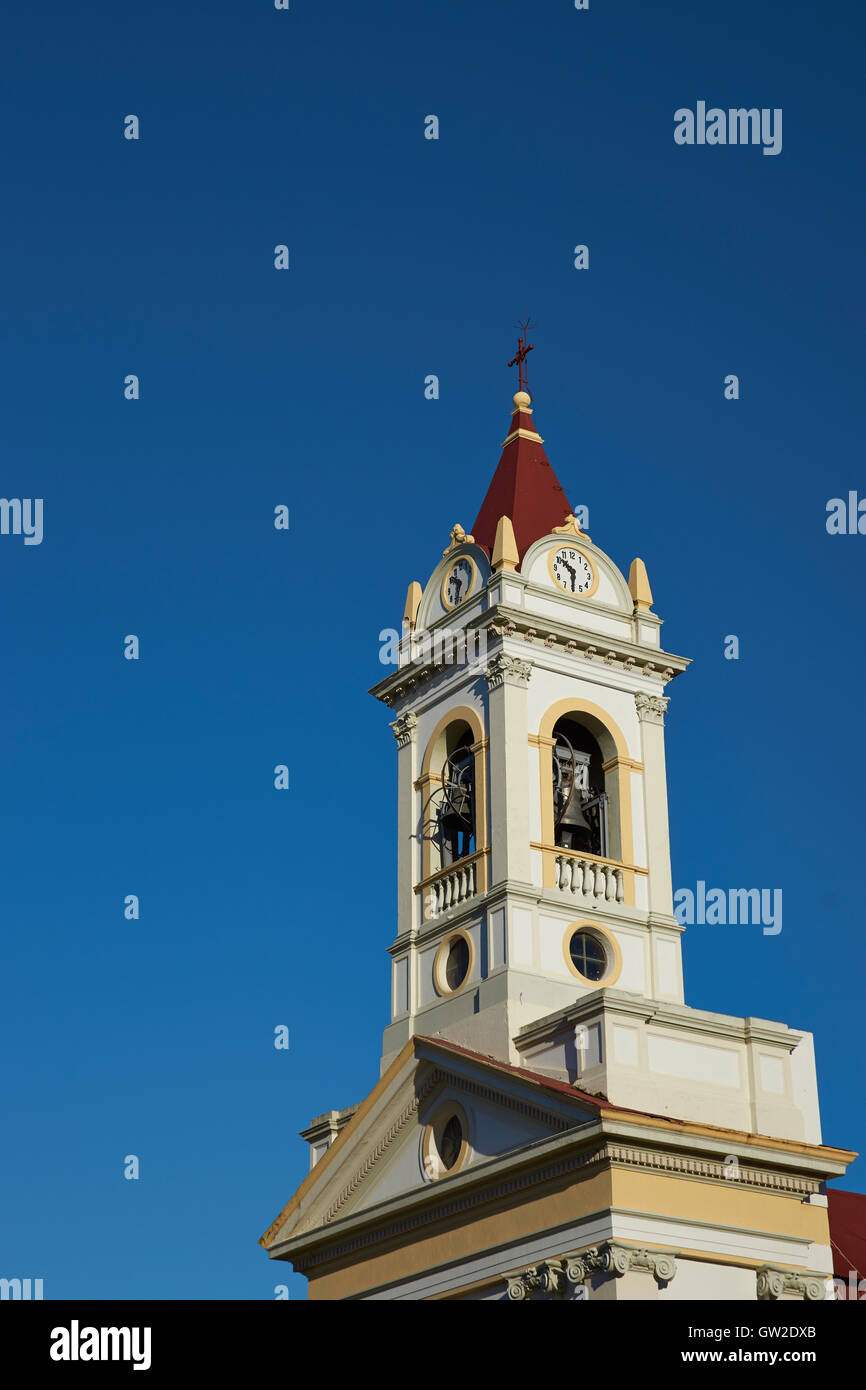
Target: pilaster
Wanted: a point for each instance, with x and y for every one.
(651, 713)
(507, 679)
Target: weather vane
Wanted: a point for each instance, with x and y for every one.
(523, 351)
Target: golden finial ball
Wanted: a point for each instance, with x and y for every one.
(521, 400)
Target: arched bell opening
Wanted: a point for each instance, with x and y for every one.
(453, 808)
(583, 817)
(454, 827)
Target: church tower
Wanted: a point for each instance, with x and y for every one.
(552, 1120)
(534, 864)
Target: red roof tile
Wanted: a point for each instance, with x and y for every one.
(847, 1212)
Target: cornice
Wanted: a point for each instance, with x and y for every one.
(664, 1015)
(422, 1207)
(539, 633)
(585, 1148)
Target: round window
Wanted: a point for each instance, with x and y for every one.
(588, 955)
(457, 962)
(450, 1142)
(445, 1143)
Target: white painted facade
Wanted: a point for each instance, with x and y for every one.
(631, 1038)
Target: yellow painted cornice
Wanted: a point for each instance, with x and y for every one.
(523, 434)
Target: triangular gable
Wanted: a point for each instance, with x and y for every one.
(378, 1155)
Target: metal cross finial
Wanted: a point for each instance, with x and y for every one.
(523, 351)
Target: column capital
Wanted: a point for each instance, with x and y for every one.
(404, 727)
(615, 1260)
(546, 1278)
(775, 1283)
(509, 670)
(651, 708)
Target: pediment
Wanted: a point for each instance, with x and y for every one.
(389, 1148)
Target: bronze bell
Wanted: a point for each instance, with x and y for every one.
(571, 790)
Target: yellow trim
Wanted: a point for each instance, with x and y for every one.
(523, 434)
(440, 961)
(628, 764)
(458, 560)
(430, 1148)
(573, 706)
(593, 569)
(610, 976)
(538, 742)
(555, 850)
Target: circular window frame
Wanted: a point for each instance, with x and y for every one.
(609, 944)
(440, 962)
(446, 604)
(594, 569)
(429, 1153)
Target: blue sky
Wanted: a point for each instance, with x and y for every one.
(408, 257)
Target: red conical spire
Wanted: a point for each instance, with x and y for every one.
(524, 486)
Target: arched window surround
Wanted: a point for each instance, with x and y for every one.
(618, 766)
(430, 778)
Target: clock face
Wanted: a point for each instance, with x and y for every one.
(458, 582)
(572, 571)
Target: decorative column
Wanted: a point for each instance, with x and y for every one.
(651, 713)
(507, 680)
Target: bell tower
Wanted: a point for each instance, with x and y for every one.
(535, 907)
(534, 865)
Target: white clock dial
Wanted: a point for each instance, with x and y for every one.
(458, 582)
(572, 571)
